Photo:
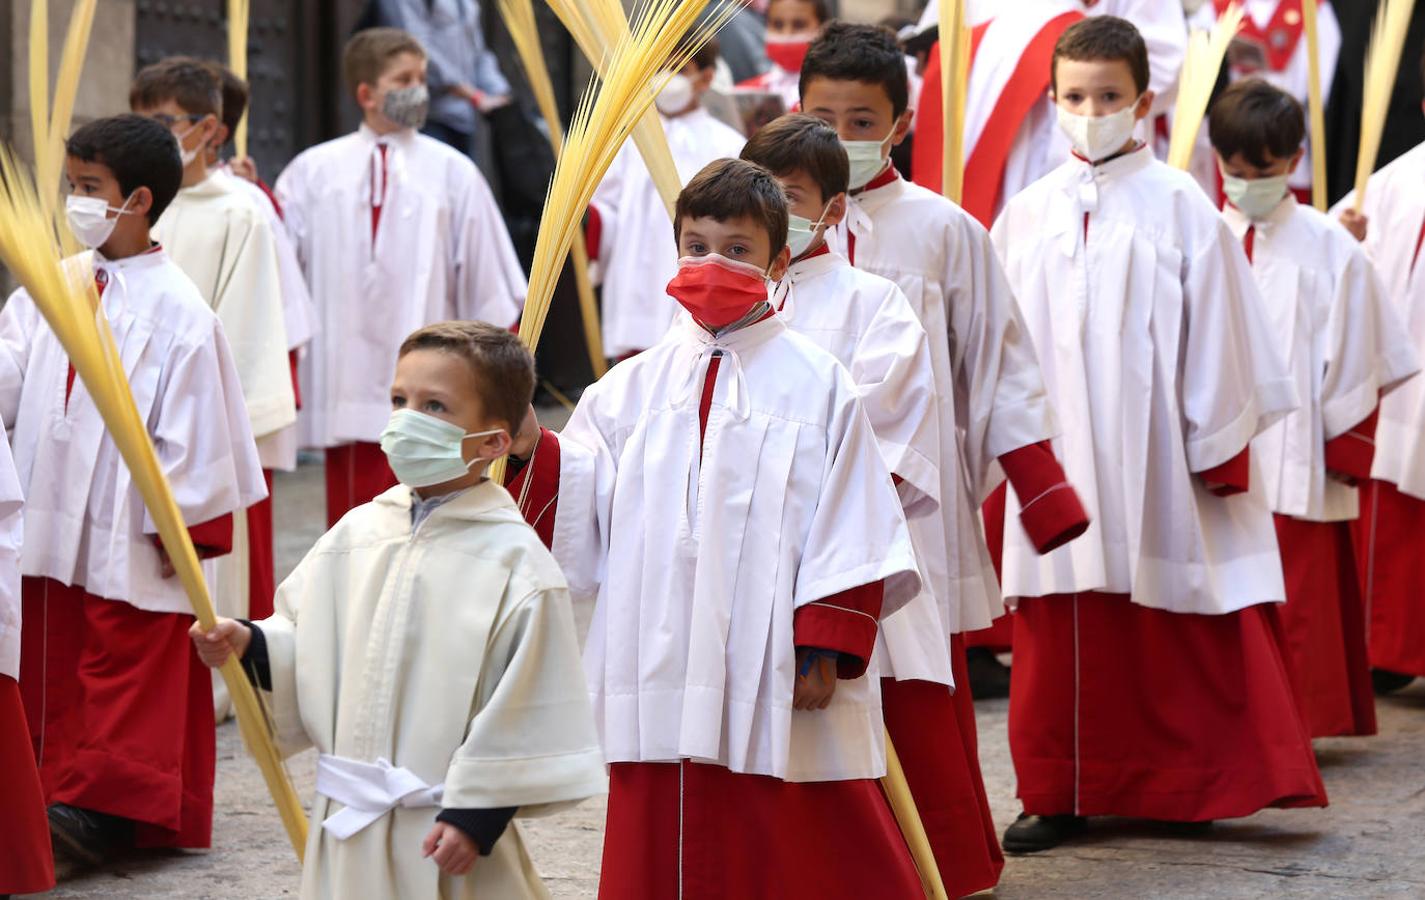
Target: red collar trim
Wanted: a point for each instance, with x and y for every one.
(1137, 145)
(823, 250)
(889, 175)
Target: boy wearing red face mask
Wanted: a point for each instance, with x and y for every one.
(723, 496)
(791, 27)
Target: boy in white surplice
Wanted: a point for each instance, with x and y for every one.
(427, 641)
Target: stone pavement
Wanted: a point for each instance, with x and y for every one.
(1369, 843)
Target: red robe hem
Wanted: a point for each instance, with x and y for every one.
(27, 864)
(935, 737)
(724, 835)
(1390, 555)
(1119, 709)
(356, 473)
(1324, 622)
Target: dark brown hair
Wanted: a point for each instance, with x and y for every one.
(802, 143)
(367, 53)
(235, 93)
(1103, 39)
(138, 151)
(188, 82)
(706, 55)
(1258, 121)
(818, 9)
(503, 367)
(728, 189)
(865, 53)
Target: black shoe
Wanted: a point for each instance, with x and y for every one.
(85, 836)
(989, 678)
(1031, 834)
(1387, 682)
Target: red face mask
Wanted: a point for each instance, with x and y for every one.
(716, 290)
(788, 51)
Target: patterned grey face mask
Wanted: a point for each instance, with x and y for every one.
(407, 107)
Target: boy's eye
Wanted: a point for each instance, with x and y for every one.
(863, 123)
(737, 250)
(1073, 97)
(697, 248)
(434, 406)
(1111, 96)
(397, 401)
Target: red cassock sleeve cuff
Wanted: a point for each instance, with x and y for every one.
(213, 537)
(1351, 454)
(1231, 477)
(844, 622)
(1049, 508)
(292, 360)
(593, 232)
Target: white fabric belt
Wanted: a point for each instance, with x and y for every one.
(369, 791)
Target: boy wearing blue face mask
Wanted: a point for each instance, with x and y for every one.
(394, 230)
(427, 641)
(1152, 680)
(1345, 347)
(119, 709)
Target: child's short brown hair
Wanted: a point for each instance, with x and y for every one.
(867, 54)
(367, 53)
(188, 82)
(734, 189)
(1103, 39)
(235, 93)
(1258, 121)
(503, 367)
(802, 143)
(705, 57)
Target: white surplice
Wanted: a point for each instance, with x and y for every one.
(637, 253)
(1395, 205)
(1154, 344)
(447, 649)
(12, 533)
(441, 252)
(85, 523)
(700, 552)
(1340, 338)
(992, 397)
(299, 314)
(868, 324)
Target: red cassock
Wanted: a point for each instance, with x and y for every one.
(1391, 568)
(936, 739)
(120, 710)
(535, 487)
(26, 864)
(1119, 709)
(356, 473)
(262, 573)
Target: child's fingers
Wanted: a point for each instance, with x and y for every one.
(429, 844)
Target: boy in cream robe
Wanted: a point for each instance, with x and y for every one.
(867, 323)
(395, 230)
(224, 242)
(1390, 533)
(628, 221)
(1345, 347)
(1155, 349)
(724, 497)
(426, 647)
(120, 711)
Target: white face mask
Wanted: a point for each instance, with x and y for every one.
(183, 152)
(802, 232)
(89, 219)
(1256, 198)
(424, 450)
(1099, 137)
(866, 159)
(676, 96)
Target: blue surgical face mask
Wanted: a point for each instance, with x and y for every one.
(424, 450)
(866, 159)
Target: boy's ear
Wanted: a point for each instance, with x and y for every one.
(704, 79)
(365, 96)
(141, 201)
(1296, 160)
(835, 211)
(902, 127)
(1145, 106)
(496, 445)
(222, 136)
(779, 265)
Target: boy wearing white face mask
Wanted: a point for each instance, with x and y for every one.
(450, 628)
(427, 243)
(1152, 679)
(868, 324)
(224, 241)
(628, 223)
(120, 712)
(1345, 347)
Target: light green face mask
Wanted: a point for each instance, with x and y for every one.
(801, 231)
(1257, 197)
(866, 159)
(424, 450)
